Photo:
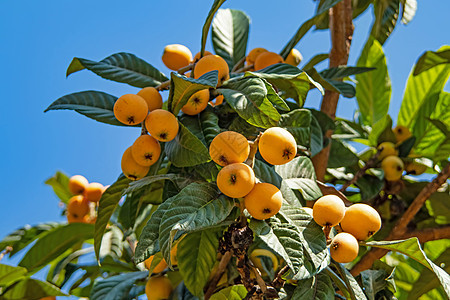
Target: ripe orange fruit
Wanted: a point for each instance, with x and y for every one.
(77, 184)
(344, 248)
(266, 59)
(130, 168)
(158, 268)
(162, 125)
(229, 147)
(75, 219)
(152, 97)
(176, 56)
(212, 62)
(94, 191)
(253, 54)
(130, 109)
(197, 56)
(217, 101)
(78, 206)
(263, 201)
(158, 288)
(401, 133)
(294, 57)
(361, 220)
(146, 150)
(388, 149)
(196, 103)
(415, 168)
(236, 180)
(328, 210)
(392, 167)
(277, 146)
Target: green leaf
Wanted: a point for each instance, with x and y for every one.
(209, 124)
(373, 281)
(60, 184)
(318, 287)
(298, 123)
(438, 206)
(10, 274)
(112, 243)
(373, 91)
(92, 104)
(341, 155)
(431, 59)
(409, 10)
(108, 203)
(31, 289)
(55, 243)
(369, 186)
(382, 132)
(235, 292)
(386, 16)
(346, 89)
(343, 71)
(115, 287)
(137, 185)
(229, 35)
(405, 147)
(216, 5)
(266, 173)
(351, 283)
(274, 98)
(197, 255)
(442, 151)
(186, 149)
(248, 97)
(121, 67)
(317, 139)
(318, 58)
(182, 88)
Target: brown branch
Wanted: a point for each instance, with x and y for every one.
(429, 234)
(220, 270)
(400, 229)
(243, 69)
(253, 149)
(163, 86)
(238, 64)
(370, 163)
(7, 250)
(278, 281)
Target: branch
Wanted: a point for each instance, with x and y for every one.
(370, 163)
(243, 69)
(5, 252)
(165, 85)
(220, 270)
(238, 64)
(429, 234)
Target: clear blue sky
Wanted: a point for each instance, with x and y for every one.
(39, 38)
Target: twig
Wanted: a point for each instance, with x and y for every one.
(132, 244)
(259, 279)
(238, 64)
(243, 69)
(220, 270)
(253, 149)
(7, 250)
(165, 85)
(186, 68)
(143, 129)
(278, 281)
(429, 234)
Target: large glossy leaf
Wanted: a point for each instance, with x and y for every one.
(235, 292)
(60, 184)
(373, 91)
(31, 289)
(318, 58)
(10, 274)
(115, 287)
(431, 59)
(196, 255)
(93, 104)
(318, 287)
(229, 34)
(386, 16)
(341, 155)
(121, 67)
(343, 71)
(55, 243)
(352, 284)
(266, 173)
(112, 243)
(298, 123)
(248, 97)
(216, 5)
(346, 89)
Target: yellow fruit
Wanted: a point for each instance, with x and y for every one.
(94, 191)
(253, 54)
(196, 103)
(344, 248)
(162, 125)
(294, 57)
(176, 56)
(77, 184)
(415, 168)
(361, 220)
(197, 56)
(401, 133)
(146, 150)
(77, 219)
(392, 167)
(152, 97)
(263, 201)
(266, 59)
(130, 168)
(256, 260)
(212, 62)
(229, 147)
(328, 210)
(236, 180)
(130, 109)
(158, 288)
(388, 149)
(78, 206)
(217, 101)
(161, 266)
(277, 146)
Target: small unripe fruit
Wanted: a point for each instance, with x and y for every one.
(130, 168)
(158, 268)
(78, 206)
(158, 288)
(236, 180)
(176, 56)
(146, 150)
(152, 97)
(388, 149)
(401, 133)
(294, 58)
(277, 146)
(196, 103)
(197, 56)
(415, 168)
(229, 147)
(392, 167)
(266, 59)
(263, 201)
(77, 184)
(210, 63)
(94, 191)
(361, 220)
(328, 210)
(253, 54)
(162, 125)
(344, 248)
(130, 109)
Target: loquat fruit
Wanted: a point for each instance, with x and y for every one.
(94, 191)
(76, 219)
(196, 103)
(130, 168)
(158, 268)
(328, 210)
(78, 206)
(162, 125)
(210, 63)
(263, 201)
(253, 54)
(344, 248)
(77, 184)
(361, 220)
(402, 133)
(236, 180)
(146, 150)
(392, 167)
(130, 109)
(387, 149)
(229, 147)
(277, 146)
(152, 97)
(217, 101)
(294, 58)
(415, 168)
(176, 56)
(158, 288)
(266, 59)
(197, 56)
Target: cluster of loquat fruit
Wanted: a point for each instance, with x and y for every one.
(81, 207)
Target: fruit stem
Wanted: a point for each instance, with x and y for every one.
(253, 149)
(327, 230)
(243, 69)
(7, 250)
(143, 129)
(278, 281)
(166, 84)
(238, 64)
(220, 270)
